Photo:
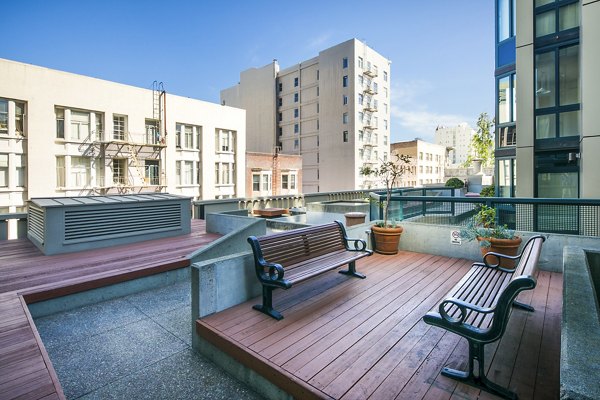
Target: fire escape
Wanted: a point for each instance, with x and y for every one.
(369, 140)
(136, 159)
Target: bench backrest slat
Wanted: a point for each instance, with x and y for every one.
(298, 245)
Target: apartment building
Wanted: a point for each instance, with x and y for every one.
(427, 162)
(457, 141)
(63, 134)
(547, 94)
(333, 110)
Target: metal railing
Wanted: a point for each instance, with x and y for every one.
(565, 216)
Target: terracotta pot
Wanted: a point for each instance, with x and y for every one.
(386, 239)
(510, 247)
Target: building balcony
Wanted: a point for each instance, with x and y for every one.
(369, 125)
(370, 108)
(370, 73)
(369, 90)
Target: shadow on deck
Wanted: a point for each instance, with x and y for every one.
(345, 338)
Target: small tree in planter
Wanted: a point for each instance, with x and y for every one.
(387, 235)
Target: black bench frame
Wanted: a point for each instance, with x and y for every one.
(272, 275)
(456, 315)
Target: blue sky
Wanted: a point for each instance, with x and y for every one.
(442, 51)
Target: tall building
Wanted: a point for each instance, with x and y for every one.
(333, 109)
(457, 141)
(427, 162)
(63, 134)
(547, 97)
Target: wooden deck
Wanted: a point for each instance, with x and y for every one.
(26, 276)
(347, 338)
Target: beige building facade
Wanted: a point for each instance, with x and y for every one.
(63, 134)
(427, 162)
(333, 110)
(456, 140)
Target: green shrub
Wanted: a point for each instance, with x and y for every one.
(488, 191)
(455, 183)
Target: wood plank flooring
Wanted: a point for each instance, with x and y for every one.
(346, 338)
(26, 275)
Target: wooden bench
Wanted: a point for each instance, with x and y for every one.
(284, 259)
(479, 306)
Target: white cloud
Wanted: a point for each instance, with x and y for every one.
(410, 114)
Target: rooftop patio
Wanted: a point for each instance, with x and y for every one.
(28, 276)
(345, 338)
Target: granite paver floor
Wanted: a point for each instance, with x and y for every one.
(134, 347)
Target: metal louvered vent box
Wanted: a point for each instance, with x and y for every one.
(68, 224)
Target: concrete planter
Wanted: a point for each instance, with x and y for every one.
(386, 239)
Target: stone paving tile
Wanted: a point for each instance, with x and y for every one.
(99, 360)
(185, 375)
(78, 324)
(178, 322)
(159, 301)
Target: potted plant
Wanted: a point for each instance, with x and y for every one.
(387, 233)
(492, 237)
(457, 184)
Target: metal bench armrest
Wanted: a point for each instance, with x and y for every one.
(499, 257)
(463, 306)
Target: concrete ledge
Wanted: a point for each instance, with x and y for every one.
(580, 334)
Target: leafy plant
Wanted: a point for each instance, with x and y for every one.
(482, 143)
(485, 227)
(389, 173)
(455, 183)
(488, 191)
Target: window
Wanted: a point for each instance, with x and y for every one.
(19, 118)
(60, 171)
(376, 87)
(345, 136)
(296, 128)
(504, 19)
(506, 127)
(385, 76)
(345, 81)
(360, 62)
(223, 173)
(345, 118)
(360, 80)
(3, 170)
(225, 141)
(21, 169)
(295, 82)
(280, 101)
(317, 74)
(360, 99)
(557, 103)
(187, 177)
(60, 122)
(80, 125)
(256, 182)
(151, 172)
(296, 144)
(3, 116)
(385, 140)
(119, 168)
(280, 117)
(280, 87)
(189, 137)
(178, 129)
(119, 127)
(556, 17)
(385, 157)
(152, 131)
(99, 122)
(198, 138)
(385, 108)
(296, 97)
(345, 62)
(385, 122)
(266, 182)
(421, 156)
(361, 135)
(296, 113)
(385, 92)
(345, 99)
(285, 181)
(80, 172)
(361, 116)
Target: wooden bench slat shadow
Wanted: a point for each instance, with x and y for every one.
(286, 258)
(479, 306)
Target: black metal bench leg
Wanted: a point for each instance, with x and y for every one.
(523, 306)
(352, 271)
(267, 304)
(476, 353)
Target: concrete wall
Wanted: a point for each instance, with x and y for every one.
(434, 239)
